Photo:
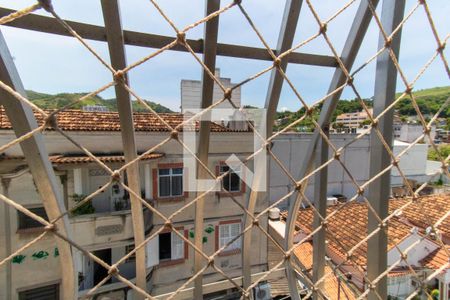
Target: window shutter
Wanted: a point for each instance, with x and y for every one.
(152, 249)
(177, 247)
(155, 183)
(235, 230)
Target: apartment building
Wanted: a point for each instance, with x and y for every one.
(408, 132)
(353, 120)
(348, 226)
(105, 226)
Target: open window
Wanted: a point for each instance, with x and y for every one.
(25, 222)
(171, 246)
(231, 181)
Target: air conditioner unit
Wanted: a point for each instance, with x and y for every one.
(332, 201)
(262, 292)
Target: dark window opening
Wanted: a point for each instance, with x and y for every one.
(165, 246)
(231, 182)
(26, 222)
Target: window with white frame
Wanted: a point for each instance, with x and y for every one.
(171, 246)
(227, 232)
(170, 182)
(231, 182)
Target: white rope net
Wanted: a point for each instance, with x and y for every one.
(433, 225)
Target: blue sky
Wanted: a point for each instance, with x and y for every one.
(53, 64)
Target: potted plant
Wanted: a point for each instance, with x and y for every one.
(84, 209)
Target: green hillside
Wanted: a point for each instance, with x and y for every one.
(429, 101)
(48, 101)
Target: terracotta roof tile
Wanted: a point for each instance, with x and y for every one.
(333, 288)
(348, 226)
(61, 159)
(80, 158)
(437, 258)
(78, 120)
(427, 210)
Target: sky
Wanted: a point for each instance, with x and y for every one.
(54, 64)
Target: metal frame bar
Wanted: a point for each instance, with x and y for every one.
(350, 50)
(320, 202)
(380, 190)
(209, 59)
(285, 39)
(114, 34)
(23, 121)
(98, 33)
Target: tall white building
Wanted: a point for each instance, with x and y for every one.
(191, 93)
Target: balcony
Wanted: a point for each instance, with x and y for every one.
(106, 227)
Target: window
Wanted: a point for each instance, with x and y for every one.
(171, 246)
(228, 232)
(170, 182)
(49, 292)
(26, 222)
(231, 182)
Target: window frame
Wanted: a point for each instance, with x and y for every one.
(21, 219)
(156, 181)
(221, 166)
(219, 238)
(184, 247)
(226, 193)
(171, 175)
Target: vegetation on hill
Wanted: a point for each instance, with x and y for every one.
(429, 101)
(444, 151)
(48, 101)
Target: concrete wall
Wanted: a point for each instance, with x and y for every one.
(38, 265)
(191, 93)
(290, 149)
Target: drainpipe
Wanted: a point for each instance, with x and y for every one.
(7, 225)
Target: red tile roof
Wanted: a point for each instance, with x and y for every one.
(78, 120)
(426, 211)
(348, 226)
(61, 159)
(437, 258)
(79, 158)
(333, 288)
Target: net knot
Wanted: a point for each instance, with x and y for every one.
(51, 121)
(277, 62)
(227, 93)
(174, 134)
(119, 76)
(116, 175)
(113, 270)
(441, 48)
(46, 4)
(323, 28)
(181, 38)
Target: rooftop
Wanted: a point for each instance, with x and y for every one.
(348, 226)
(79, 120)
